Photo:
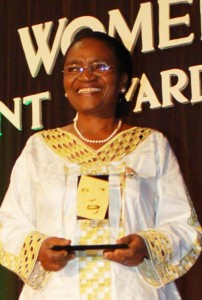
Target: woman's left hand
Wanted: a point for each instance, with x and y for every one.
(132, 256)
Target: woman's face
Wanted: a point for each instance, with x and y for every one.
(88, 92)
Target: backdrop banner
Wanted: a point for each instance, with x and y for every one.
(165, 40)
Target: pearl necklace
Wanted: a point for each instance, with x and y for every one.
(98, 141)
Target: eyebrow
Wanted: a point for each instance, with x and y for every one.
(79, 61)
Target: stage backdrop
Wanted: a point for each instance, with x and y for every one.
(165, 39)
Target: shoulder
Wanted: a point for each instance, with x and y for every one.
(148, 139)
(152, 133)
(143, 131)
(36, 144)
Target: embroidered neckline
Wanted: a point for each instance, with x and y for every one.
(100, 149)
(73, 150)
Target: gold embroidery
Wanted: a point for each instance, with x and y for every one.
(159, 269)
(70, 148)
(24, 264)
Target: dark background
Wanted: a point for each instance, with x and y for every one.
(181, 123)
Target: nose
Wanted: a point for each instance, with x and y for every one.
(87, 75)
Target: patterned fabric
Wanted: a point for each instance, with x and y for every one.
(24, 264)
(94, 271)
(161, 254)
(45, 178)
(72, 149)
(95, 279)
(157, 271)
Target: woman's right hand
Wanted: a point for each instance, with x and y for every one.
(52, 260)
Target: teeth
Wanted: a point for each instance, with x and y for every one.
(88, 90)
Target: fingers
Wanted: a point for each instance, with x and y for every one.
(124, 257)
(52, 260)
(119, 256)
(132, 256)
(56, 261)
(50, 265)
(53, 241)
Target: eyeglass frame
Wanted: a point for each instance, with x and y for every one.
(81, 69)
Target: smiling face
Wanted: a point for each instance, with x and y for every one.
(92, 93)
(92, 198)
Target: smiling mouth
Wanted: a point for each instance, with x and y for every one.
(95, 206)
(88, 90)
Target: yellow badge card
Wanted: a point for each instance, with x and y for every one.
(93, 198)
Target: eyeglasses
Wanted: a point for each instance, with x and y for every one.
(97, 67)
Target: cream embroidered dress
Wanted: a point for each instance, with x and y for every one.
(147, 196)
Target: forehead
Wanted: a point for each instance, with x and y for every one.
(90, 48)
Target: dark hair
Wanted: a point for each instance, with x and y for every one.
(123, 57)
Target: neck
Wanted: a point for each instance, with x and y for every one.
(96, 130)
(89, 119)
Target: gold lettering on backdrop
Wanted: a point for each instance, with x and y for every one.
(16, 117)
(146, 94)
(143, 27)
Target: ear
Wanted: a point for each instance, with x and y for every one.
(123, 83)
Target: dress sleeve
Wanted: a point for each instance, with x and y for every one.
(19, 240)
(174, 243)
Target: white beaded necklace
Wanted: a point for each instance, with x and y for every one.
(98, 141)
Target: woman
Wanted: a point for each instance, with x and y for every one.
(144, 203)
